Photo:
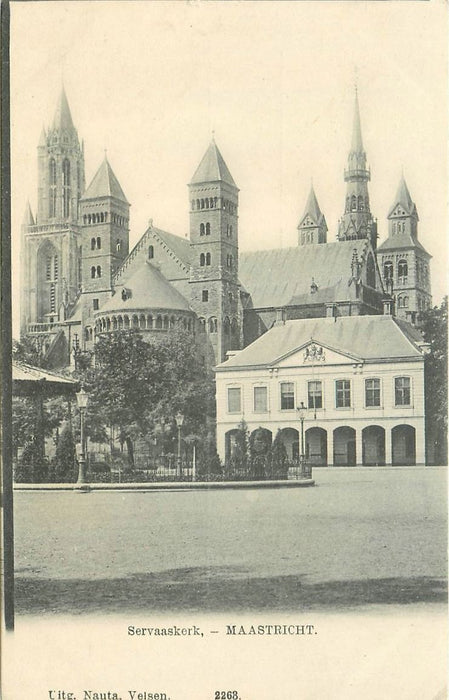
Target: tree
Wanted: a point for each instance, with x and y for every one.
(278, 459)
(434, 327)
(137, 386)
(63, 465)
(259, 445)
(239, 463)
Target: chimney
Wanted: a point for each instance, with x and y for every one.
(280, 316)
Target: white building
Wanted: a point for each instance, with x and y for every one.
(361, 379)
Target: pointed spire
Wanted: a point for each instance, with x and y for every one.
(105, 184)
(28, 218)
(357, 143)
(212, 167)
(312, 207)
(63, 118)
(43, 138)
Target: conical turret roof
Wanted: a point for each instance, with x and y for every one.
(404, 199)
(212, 168)
(105, 184)
(43, 137)
(28, 218)
(312, 207)
(63, 118)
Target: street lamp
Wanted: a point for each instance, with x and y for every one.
(179, 421)
(302, 460)
(82, 398)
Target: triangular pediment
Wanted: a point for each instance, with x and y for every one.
(314, 353)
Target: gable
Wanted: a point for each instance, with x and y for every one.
(314, 354)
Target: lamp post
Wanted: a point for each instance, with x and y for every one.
(82, 398)
(179, 421)
(302, 459)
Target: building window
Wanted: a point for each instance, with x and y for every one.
(201, 229)
(315, 395)
(98, 271)
(260, 399)
(52, 193)
(388, 270)
(213, 325)
(234, 400)
(52, 298)
(207, 258)
(402, 272)
(372, 392)
(402, 391)
(150, 252)
(202, 325)
(66, 188)
(92, 272)
(202, 259)
(96, 304)
(205, 295)
(92, 243)
(99, 243)
(287, 396)
(343, 393)
(48, 269)
(207, 229)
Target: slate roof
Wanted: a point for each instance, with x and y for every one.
(179, 246)
(312, 209)
(282, 276)
(63, 118)
(212, 168)
(364, 337)
(149, 290)
(104, 184)
(404, 199)
(397, 241)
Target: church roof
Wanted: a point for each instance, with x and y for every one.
(179, 246)
(212, 168)
(398, 241)
(389, 339)
(404, 199)
(280, 277)
(312, 208)
(356, 143)
(104, 184)
(148, 289)
(63, 118)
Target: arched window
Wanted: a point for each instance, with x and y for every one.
(52, 193)
(92, 272)
(202, 204)
(207, 202)
(208, 229)
(135, 322)
(165, 322)
(114, 323)
(201, 229)
(202, 260)
(207, 258)
(92, 243)
(98, 242)
(197, 203)
(360, 203)
(159, 322)
(98, 271)
(400, 302)
(118, 245)
(406, 302)
(151, 252)
(149, 321)
(370, 272)
(388, 270)
(126, 322)
(353, 203)
(66, 187)
(202, 325)
(402, 271)
(142, 322)
(120, 323)
(213, 325)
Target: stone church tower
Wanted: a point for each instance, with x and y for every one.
(51, 271)
(357, 220)
(403, 260)
(104, 219)
(214, 286)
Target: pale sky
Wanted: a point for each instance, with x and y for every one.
(149, 81)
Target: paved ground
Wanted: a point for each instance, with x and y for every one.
(360, 537)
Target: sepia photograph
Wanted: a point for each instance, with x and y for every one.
(225, 469)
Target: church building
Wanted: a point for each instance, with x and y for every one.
(80, 279)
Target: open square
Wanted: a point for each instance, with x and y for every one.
(373, 536)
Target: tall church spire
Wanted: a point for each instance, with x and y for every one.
(357, 221)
